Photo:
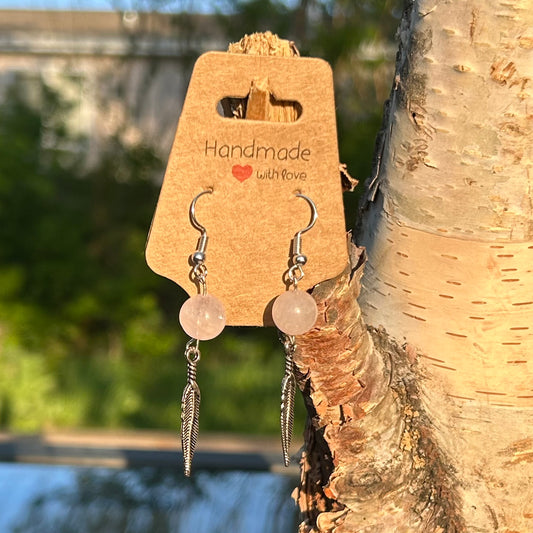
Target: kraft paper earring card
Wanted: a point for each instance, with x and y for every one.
(255, 169)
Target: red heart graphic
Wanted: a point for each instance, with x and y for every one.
(242, 172)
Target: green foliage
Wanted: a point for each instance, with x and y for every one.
(250, 16)
(89, 335)
(85, 337)
(71, 260)
(73, 283)
(28, 393)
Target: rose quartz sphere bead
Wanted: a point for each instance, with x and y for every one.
(294, 312)
(202, 317)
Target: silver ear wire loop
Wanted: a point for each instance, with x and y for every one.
(198, 257)
(297, 241)
(296, 272)
(202, 242)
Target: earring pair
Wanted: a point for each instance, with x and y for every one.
(203, 317)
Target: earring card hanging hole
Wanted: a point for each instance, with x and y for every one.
(255, 166)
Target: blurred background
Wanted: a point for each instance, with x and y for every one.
(90, 96)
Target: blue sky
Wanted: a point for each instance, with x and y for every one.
(110, 5)
(56, 4)
(198, 6)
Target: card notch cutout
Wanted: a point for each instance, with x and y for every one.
(274, 101)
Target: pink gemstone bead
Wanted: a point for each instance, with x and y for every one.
(202, 317)
(294, 312)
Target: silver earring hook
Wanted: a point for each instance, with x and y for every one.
(296, 272)
(297, 251)
(199, 255)
(192, 211)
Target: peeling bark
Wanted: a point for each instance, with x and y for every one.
(371, 462)
(420, 400)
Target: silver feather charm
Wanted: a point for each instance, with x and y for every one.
(288, 389)
(190, 407)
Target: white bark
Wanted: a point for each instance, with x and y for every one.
(448, 227)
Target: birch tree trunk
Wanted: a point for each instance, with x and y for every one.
(421, 399)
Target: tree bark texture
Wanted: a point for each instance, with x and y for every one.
(423, 421)
(417, 376)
